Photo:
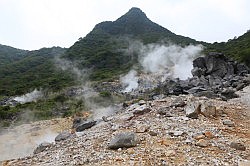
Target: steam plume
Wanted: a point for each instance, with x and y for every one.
(130, 81)
(171, 59)
(29, 97)
(159, 62)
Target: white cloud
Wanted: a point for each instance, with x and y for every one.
(33, 24)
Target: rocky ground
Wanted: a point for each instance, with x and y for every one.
(176, 130)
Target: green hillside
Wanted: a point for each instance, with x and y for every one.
(34, 70)
(9, 54)
(237, 48)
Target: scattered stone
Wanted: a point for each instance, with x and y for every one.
(130, 151)
(163, 111)
(141, 110)
(178, 103)
(142, 129)
(105, 119)
(237, 146)
(124, 105)
(115, 127)
(209, 134)
(153, 133)
(85, 126)
(188, 141)
(202, 143)
(168, 115)
(123, 140)
(228, 122)
(192, 109)
(63, 136)
(142, 102)
(198, 137)
(41, 147)
(176, 133)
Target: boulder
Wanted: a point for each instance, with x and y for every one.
(163, 110)
(199, 63)
(229, 93)
(208, 110)
(242, 69)
(176, 133)
(141, 110)
(197, 72)
(173, 87)
(77, 121)
(123, 140)
(216, 64)
(178, 102)
(237, 146)
(142, 102)
(202, 143)
(85, 126)
(192, 109)
(41, 147)
(228, 122)
(63, 136)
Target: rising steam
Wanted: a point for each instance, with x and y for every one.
(130, 81)
(171, 59)
(87, 93)
(161, 61)
(29, 97)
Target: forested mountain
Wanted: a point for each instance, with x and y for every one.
(26, 70)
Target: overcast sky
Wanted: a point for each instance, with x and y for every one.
(33, 24)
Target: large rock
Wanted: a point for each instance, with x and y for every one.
(197, 72)
(141, 110)
(237, 146)
(123, 140)
(173, 87)
(242, 69)
(85, 126)
(229, 93)
(193, 109)
(199, 63)
(216, 64)
(63, 136)
(208, 110)
(77, 121)
(42, 147)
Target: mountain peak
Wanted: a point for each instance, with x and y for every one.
(134, 14)
(134, 22)
(136, 10)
